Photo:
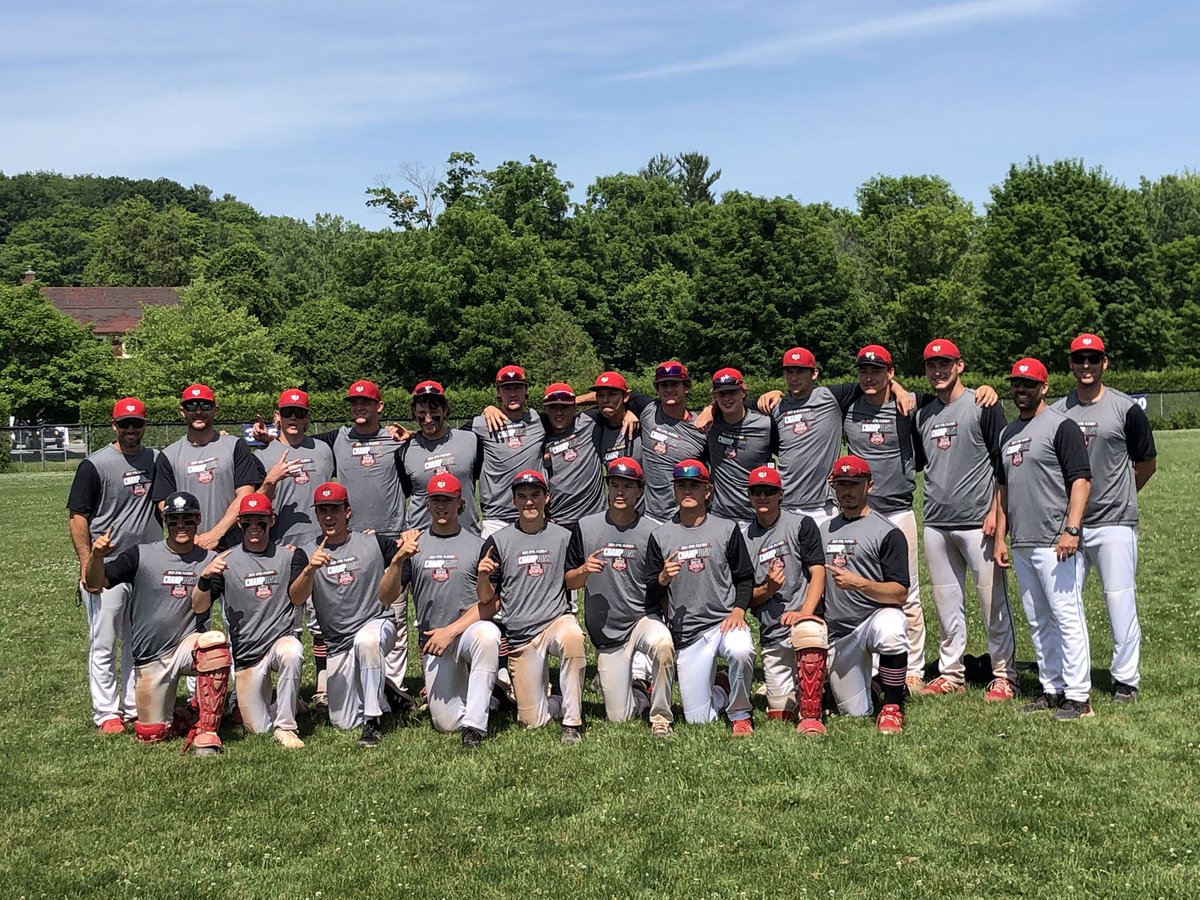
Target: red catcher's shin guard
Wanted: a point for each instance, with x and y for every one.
(213, 661)
(810, 675)
(151, 734)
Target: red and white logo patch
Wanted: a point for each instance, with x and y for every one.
(366, 460)
(345, 578)
(205, 477)
(619, 564)
(195, 392)
(536, 570)
(440, 575)
(695, 564)
(877, 438)
(129, 407)
(263, 592)
(179, 592)
(294, 397)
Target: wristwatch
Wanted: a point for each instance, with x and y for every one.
(1072, 531)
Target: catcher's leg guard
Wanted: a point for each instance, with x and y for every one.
(811, 641)
(151, 734)
(212, 661)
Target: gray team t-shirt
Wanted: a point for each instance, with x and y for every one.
(574, 473)
(795, 541)
(961, 444)
(212, 472)
(1116, 433)
(734, 451)
(366, 466)
(442, 578)
(457, 452)
(345, 593)
(514, 448)
(113, 491)
(869, 546)
(160, 605)
(810, 435)
(614, 599)
(665, 442)
(530, 579)
(295, 516)
(254, 601)
(877, 435)
(1042, 456)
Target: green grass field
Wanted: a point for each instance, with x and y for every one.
(973, 801)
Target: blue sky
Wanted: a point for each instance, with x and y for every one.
(297, 108)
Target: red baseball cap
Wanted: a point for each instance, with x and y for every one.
(1029, 368)
(799, 358)
(529, 476)
(846, 467)
(293, 397)
(1087, 342)
(672, 370)
(367, 389)
(766, 475)
(690, 470)
(428, 389)
(625, 467)
(727, 378)
(444, 485)
(940, 348)
(874, 355)
(255, 505)
(511, 375)
(129, 408)
(197, 392)
(614, 380)
(329, 493)
(559, 392)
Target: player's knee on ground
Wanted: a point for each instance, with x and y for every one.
(573, 645)
(662, 650)
(487, 642)
(212, 652)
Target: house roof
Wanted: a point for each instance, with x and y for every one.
(112, 310)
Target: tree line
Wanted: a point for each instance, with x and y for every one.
(479, 266)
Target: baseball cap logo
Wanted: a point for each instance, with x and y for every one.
(762, 474)
(936, 348)
(1023, 368)
(295, 396)
(1087, 341)
(129, 407)
(326, 493)
(870, 354)
(195, 392)
(358, 388)
(604, 379)
(441, 484)
(845, 467)
(795, 356)
(179, 502)
(252, 503)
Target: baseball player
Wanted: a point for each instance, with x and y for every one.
(739, 441)
(611, 393)
(1122, 458)
(789, 575)
(253, 581)
(607, 557)
(571, 458)
(111, 491)
(1044, 489)
(166, 641)
(866, 566)
(345, 576)
(460, 649)
(961, 447)
(668, 435)
(698, 569)
(522, 569)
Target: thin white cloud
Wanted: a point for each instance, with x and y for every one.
(930, 20)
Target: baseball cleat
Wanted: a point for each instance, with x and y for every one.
(112, 726)
(1000, 689)
(288, 740)
(1070, 710)
(571, 734)
(915, 684)
(372, 733)
(779, 715)
(811, 727)
(399, 701)
(320, 701)
(1042, 702)
(1124, 693)
(940, 686)
(890, 720)
(743, 728)
(660, 728)
(472, 738)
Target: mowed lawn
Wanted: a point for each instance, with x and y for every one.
(973, 800)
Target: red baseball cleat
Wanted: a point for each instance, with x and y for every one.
(1000, 689)
(890, 720)
(942, 685)
(112, 726)
(743, 728)
(811, 726)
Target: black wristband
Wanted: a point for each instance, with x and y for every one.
(204, 583)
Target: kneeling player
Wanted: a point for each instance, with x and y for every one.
(460, 652)
(704, 581)
(866, 561)
(165, 642)
(524, 564)
(344, 575)
(252, 579)
(607, 558)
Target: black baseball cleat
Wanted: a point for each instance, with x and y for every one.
(372, 733)
(1043, 702)
(1070, 710)
(399, 701)
(471, 739)
(1124, 693)
(571, 734)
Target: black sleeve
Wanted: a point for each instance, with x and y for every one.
(638, 402)
(655, 592)
(299, 561)
(388, 548)
(893, 557)
(216, 587)
(1072, 452)
(247, 468)
(122, 569)
(400, 455)
(477, 466)
(490, 545)
(922, 399)
(406, 574)
(85, 490)
(328, 437)
(468, 426)
(774, 446)
(845, 394)
(1139, 439)
(992, 423)
(575, 548)
(164, 479)
(741, 568)
(811, 551)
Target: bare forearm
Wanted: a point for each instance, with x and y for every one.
(81, 538)
(93, 575)
(391, 585)
(889, 593)
(815, 591)
(301, 589)
(1080, 489)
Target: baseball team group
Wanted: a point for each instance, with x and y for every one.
(669, 526)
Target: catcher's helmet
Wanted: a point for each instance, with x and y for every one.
(181, 503)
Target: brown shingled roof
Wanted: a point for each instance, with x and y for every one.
(113, 310)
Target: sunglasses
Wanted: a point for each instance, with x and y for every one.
(1027, 383)
(763, 491)
(294, 412)
(199, 405)
(130, 423)
(1094, 358)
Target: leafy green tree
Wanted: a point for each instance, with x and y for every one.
(695, 179)
(332, 344)
(241, 274)
(1172, 206)
(47, 362)
(558, 349)
(528, 197)
(138, 246)
(58, 245)
(661, 165)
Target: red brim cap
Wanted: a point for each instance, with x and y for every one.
(765, 475)
(940, 348)
(614, 380)
(799, 358)
(444, 485)
(625, 467)
(197, 392)
(293, 397)
(429, 389)
(511, 375)
(330, 492)
(367, 390)
(849, 467)
(727, 378)
(1087, 342)
(129, 408)
(1030, 368)
(559, 392)
(690, 470)
(873, 355)
(672, 370)
(529, 476)
(255, 505)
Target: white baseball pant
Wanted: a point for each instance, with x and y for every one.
(779, 672)
(488, 527)
(110, 678)
(396, 664)
(354, 677)
(1112, 550)
(459, 682)
(949, 554)
(702, 700)
(820, 514)
(286, 657)
(1051, 594)
(157, 682)
(618, 666)
(530, 669)
(906, 521)
(852, 657)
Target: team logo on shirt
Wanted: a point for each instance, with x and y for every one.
(137, 482)
(203, 469)
(694, 555)
(305, 466)
(1016, 450)
(943, 434)
(535, 562)
(439, 566)
(619, 554)
(365, 453)
(341, 571)
(179, 580)
(1090, 430)
(798, 421)
(777, 550)
(840, 551)
(875, 430)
